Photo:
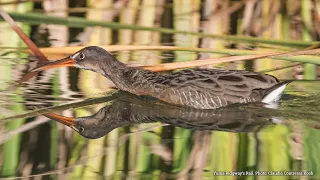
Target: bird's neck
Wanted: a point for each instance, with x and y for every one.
(132, 79)
(119, 73)
(112, 68)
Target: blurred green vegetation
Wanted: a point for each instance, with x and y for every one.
(161, 152)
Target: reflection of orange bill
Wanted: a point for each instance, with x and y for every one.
(68, 121)
(60, 63)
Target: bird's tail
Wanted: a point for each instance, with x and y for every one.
(273, 94)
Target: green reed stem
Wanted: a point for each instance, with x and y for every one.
(37, 18)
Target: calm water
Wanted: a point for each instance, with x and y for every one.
(121, 136)
(140, 137)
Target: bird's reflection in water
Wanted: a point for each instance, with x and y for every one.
(128, 109)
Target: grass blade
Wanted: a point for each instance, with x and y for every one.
(37, 18)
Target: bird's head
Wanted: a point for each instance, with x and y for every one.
(90, 58)
(91, 127)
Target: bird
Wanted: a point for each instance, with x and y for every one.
(128, 109)
(200, 88)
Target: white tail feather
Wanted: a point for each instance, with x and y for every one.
(275, 94)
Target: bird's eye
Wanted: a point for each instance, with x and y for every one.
(81, 129)
(81, 56)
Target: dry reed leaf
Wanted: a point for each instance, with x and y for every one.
(203, 62)
(63, 51)
(33, 48)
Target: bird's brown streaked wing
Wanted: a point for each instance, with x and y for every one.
(235, 77)
(210, 89)
(193, 96)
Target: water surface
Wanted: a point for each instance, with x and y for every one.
(143, 137)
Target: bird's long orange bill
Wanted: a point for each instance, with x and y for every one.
(60, 63)
(68, 121)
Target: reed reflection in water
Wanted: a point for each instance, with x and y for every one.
(146, 151)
